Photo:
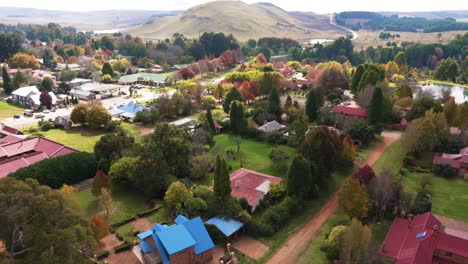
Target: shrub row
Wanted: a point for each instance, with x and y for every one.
(275, 217)
(102, 255)
(122, 247)
(138, 214)
(149, 211)
(68, 169)
(123, 222)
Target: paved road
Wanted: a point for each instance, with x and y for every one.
(332, 21)
(147, 95)
(299, 241)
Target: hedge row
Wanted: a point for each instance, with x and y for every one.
(122, 247)
(138, 214)
(68, 169)
(102, 255)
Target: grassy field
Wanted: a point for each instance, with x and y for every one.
(371, 38)
(82, 139)
(126, 204)
(391, 160)
(8, 110)
(364, 153)
(449, 196)
(254, 153)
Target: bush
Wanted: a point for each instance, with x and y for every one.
(68, 169)
(149, 211)
(102, 255)
(275, 137)
(45, 125)
(444, 170)
(122, 247)
(123, 222)
(361, 131)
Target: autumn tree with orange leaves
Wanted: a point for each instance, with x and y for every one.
(353, 198)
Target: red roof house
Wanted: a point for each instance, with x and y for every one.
(350, 111)
(456, 161)
(422, 241)
(18, 153)
(251, 185)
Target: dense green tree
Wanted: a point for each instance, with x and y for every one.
(421, 105)
(176, 195)
(47, 84)
(424, 133)
(360, 130)
(448, 70)
(357, 78)
(108, 43)
(376, 107)
(370, 77)
(112, 147)
(10, 43)
(122, 171)
(20, 79)
(39, 225)
(450, 111)
(97, 116)
(107, 69)
(222, 183)
(196, 50)
(232, 95)
(300, 181)
(400, 60)
(252, 43)
(422, 203)
(7, 85)
(174, 146)
(313, 103)
(274, 104)
(237, 118)
(210, 121)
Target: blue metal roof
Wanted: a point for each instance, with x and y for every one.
(161, 249)
(145, 234)
(131, 108)
(115, 112)
(146, 247)
(175, 239)
(226, 226)
(198, 231)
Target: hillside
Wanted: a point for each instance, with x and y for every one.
(85, 21)
(242, 20)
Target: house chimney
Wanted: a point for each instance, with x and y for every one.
(236, 184)
(410, 220)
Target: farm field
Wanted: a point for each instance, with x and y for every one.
(371, 38)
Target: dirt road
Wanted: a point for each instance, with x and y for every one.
(298, 242)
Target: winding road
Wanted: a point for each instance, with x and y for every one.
(298, 242)
(332, 21)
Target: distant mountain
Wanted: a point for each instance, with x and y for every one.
(86, 21)
(242, 20)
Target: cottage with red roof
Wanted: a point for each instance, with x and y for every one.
(422, 241)
(16, 153)
(346, 114)
(456, 161)
(251, 185)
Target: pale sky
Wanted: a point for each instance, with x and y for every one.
(318, 6)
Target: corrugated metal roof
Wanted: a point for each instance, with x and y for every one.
(226, 226)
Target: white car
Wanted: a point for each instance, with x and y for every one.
(46, 111)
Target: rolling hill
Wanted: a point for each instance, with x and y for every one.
(242, 20)
(84, 21)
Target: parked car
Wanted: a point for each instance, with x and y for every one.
(46, 111)
(16, 116)
(28, 112)
(39, 116)
(126, 97)
(52, 110)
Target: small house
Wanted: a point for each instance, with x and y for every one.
(271, 127)
(29, 96)
(345, 114)
(457, 161)
(185, 242)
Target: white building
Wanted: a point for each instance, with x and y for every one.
(29, 96)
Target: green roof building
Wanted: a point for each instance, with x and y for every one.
(143, 77)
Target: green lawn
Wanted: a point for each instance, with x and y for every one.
(8, 110)
(364, 153)
(392, 159)
(313, 254)
(449, 196)
(82, 139)
(254, 153)
(126, 203)
(442, 83)
(380, 230)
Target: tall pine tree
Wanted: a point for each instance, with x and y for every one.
(222, 182)
(209, 119)
(7, 86)
(299, 181)
(313, 103)
(357, 78)
(237, 118)
(274, 104)
(376, 107)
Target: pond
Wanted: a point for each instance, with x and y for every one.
(459, 93)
